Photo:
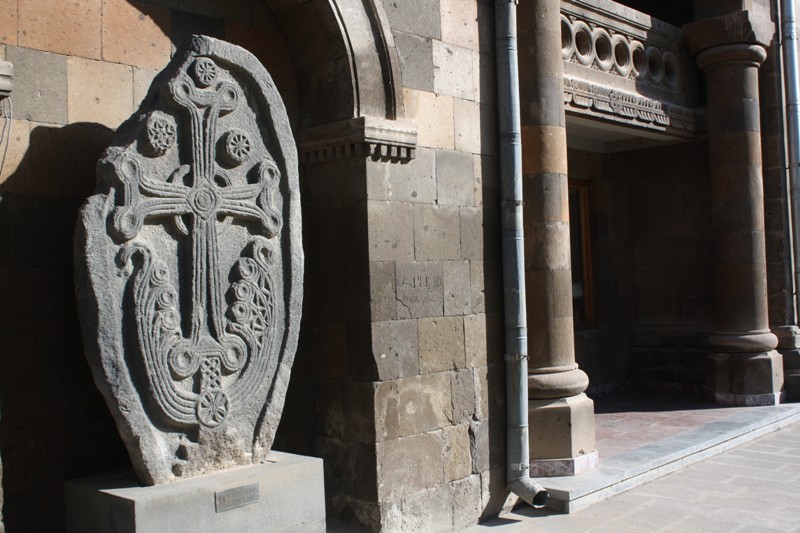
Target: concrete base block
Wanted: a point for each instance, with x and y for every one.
(562, 428)
(285, 494)
(745, 378)
(571, 466)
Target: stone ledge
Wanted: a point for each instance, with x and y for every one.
(376, 138)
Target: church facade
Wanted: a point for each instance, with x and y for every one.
(600, 190)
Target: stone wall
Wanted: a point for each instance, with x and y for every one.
(413, 419)
(80, 69)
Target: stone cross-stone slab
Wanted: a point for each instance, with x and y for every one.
(189, 266)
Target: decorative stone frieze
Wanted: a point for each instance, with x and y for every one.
(617, 53)
(376, 138)
(189, 266)
(627, 67)
(584, 97)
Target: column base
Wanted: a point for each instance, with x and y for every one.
(562, 433)
(791, 374)
(571, 466)
(745, 378)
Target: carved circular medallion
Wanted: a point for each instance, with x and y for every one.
(203, 201)
(212, 408)
(248, 269)
(205, 71)
(170, 320)
(160, 132)
(237, 147)
(242, 312)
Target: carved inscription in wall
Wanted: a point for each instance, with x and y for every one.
(419, 288)
(189, 266)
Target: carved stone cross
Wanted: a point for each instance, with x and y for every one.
(198, 209)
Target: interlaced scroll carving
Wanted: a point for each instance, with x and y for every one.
(195, 216)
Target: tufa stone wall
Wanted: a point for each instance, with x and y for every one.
(417, 410)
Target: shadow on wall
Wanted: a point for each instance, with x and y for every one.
(55, 425)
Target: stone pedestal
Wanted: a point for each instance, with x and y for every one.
(743, 368)
(285, 494)
(561, 417)
(562, 433)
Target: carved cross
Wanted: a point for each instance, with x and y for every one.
(209, 200)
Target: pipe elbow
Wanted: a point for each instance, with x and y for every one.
(530, 492)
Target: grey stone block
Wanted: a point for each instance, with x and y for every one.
(396, 348)
(415, 180)
(382, 290)
(463, 395)
(40, 85)
(409, 464)
(391, 231)
(453, 73)
(457, 458)
(420, 289)
(457, 290)
(436, 233)
(466, 499)
(420, 17)
(285, 494)
(441, 344)
(416, 60)
(455, 177)
(428, 511)
(424, 403)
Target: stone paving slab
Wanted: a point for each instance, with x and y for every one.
(629, 469)
(750, 486)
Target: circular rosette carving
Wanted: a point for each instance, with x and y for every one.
(213, 408)
(247, 269)
(183, 360)
(235, 353)
(204, 72)
(236, 147)
(161, 133)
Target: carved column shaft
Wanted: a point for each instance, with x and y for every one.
(743, 368)
(561, 416)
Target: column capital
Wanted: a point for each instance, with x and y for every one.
(746, 54)
(741, 27)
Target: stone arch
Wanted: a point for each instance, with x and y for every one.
(345, 59)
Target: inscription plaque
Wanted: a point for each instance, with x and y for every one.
(228, 499)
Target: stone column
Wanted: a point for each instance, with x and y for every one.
(743, 367)
(561, 416)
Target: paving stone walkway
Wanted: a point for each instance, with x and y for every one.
(754, 488)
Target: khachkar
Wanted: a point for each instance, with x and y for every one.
(189, 266)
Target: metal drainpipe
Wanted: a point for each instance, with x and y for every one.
(792, 95)
(516, 354)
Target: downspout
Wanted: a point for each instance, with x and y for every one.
(516, 330)
(792, 95)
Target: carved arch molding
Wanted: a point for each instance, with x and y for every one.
(345, 56)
